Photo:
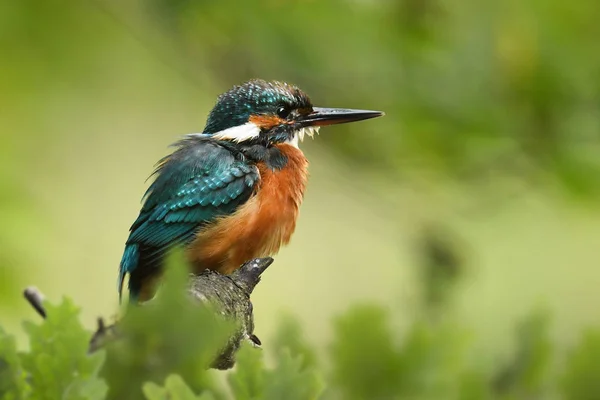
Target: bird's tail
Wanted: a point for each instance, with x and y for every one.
(129, 262)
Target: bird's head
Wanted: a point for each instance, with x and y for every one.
(267, 113)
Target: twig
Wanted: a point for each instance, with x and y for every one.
(102, 335)
(36, 299)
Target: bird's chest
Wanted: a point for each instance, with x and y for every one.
(278, 201)
(263, 224)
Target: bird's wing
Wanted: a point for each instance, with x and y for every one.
(196, 184)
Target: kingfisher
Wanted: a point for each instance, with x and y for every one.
(231, 193)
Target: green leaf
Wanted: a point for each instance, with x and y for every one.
(154, 392)
(290, 336)
(368, 362)
(175, 389)
(581, 380)
(248, 380)
(291, 381)
(90, 389)
(365, 359)
(473, 385)
(58, 365)
(13, 383)
(430, 360)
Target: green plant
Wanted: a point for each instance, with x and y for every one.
(164, 354)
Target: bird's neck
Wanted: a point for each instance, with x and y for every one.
(275, 157)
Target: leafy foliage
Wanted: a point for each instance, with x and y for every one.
(583, 369)
(381, 363)
(56, 365)
(175, 389)
(290, 338)
(289, 379)
(13, 383)
(161, 354)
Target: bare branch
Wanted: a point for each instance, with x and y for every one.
(36, 299)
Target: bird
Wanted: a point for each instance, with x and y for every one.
(231, 193)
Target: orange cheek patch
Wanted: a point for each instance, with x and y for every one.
(267, 121)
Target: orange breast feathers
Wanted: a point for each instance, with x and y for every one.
(259, 227)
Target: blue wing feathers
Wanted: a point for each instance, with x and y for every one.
(128, 263)
(199, 182)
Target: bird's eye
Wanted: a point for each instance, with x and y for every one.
(283, 112)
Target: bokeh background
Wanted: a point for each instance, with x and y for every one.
(483, 177)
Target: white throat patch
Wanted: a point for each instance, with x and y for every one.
(250, 130)
(299, 135)
(239, 133)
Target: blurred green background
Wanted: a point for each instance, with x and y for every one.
(484, 168)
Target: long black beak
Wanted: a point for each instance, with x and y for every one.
(329, 116)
